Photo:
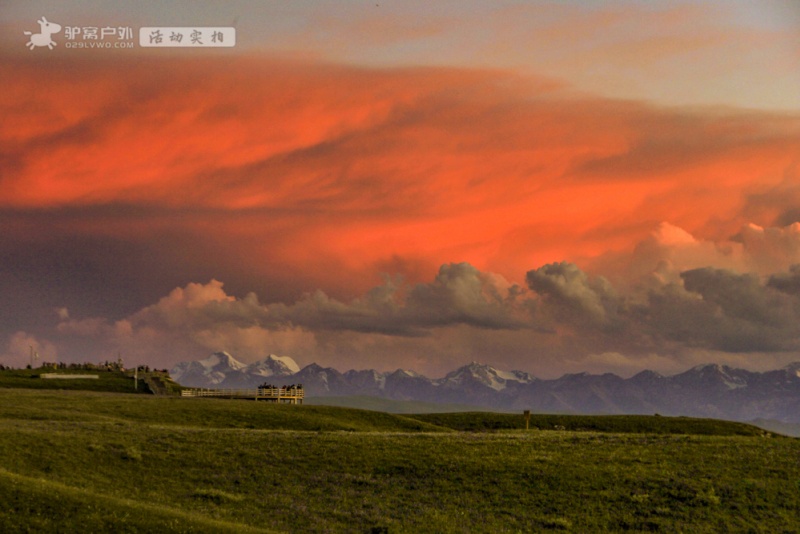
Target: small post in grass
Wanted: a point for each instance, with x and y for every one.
(527, 414)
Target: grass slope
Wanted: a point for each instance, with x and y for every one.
(210, 413)
(139, 463)
(366, 402)
(779, 427)
(109, 381)
(479, 421)
(48, 506)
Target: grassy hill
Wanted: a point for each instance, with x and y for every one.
(382, 404)
(125, 462)
(640, 424)
(202, 413)
(112, 381)
(107, 380)
(778, 427)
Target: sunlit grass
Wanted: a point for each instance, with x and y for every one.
(146, 464)
(109, 381)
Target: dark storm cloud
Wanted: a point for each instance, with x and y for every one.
(460, 294)
(199, 318)
(709, 308)
(740, 296)
(723, 310)
(565, 312)
(571, 296)
(787, 282)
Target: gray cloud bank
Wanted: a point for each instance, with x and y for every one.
(563, 318)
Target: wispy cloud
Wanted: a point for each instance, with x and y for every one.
(300, 182)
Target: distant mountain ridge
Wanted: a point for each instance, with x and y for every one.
(224, 371)
(710, 390)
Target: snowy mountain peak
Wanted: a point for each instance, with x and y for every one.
(521, 376)
(705, 391)
(404, 372)
(486, 375)
(211, 370)
(647, 377)
(366, 378)
(273, 365)
(221, 361)
(288, 362)
(716, 373)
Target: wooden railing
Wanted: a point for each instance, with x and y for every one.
(292, 395)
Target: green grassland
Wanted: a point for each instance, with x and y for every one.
(381, 404)
(640, 424)
(114, 381)
(94, 461)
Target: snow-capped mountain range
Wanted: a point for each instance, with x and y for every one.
(223, 370)
(709, 390)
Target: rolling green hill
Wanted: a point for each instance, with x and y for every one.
(110, 381)
(639, 424)
(98, 462)
(383, 404)
(201, 413)
(107, 380)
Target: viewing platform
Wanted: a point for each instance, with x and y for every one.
(287, 395)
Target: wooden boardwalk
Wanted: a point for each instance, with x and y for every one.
(287, 395)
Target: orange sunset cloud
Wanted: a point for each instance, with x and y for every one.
(364, 165)
(293, 177)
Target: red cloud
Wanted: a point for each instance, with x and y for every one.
(325, 171)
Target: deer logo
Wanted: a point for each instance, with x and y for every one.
(43, 38)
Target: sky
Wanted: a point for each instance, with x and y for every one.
(552, 187)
